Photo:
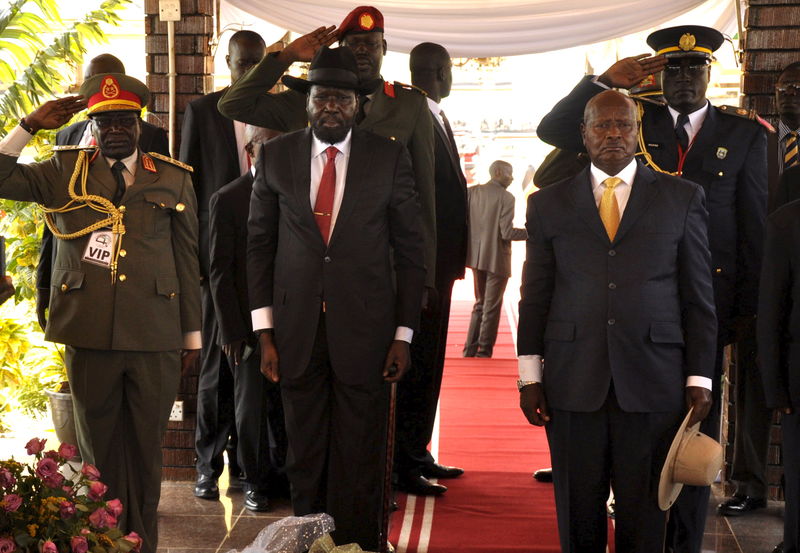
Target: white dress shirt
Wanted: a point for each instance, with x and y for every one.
(436, 110)
(696, 119)
(262, 317)
(238, 131)
(531, 366)
(16, 140)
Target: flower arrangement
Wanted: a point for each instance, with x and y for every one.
(42, 510)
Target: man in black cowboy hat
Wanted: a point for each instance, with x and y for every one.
(329, 203)
(725, 152)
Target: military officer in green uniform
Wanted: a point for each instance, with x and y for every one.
(394, 110)
(125, 290)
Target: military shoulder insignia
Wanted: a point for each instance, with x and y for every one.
(72, 147)
(148, 164)
(747, 114)
(175, 162)
(405, 86)
(388, 89)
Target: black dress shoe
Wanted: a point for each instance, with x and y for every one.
(206, 487)
(739, 505)
(484, 354)
(435, 470)
(255, 500)
(544, 475)
(419, 485)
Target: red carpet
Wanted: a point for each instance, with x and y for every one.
(496, 505)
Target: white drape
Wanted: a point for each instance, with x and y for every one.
(480, 28)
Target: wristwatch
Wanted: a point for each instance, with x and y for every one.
(25, 126)
(522, 383)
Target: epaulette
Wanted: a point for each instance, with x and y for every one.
(175, 162)
(410, 87)
(745, 113)
(70, 147)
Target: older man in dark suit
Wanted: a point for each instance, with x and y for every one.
(617, 331)
(334, 310)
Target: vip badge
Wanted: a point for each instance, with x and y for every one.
(100, 248)
(722, 153)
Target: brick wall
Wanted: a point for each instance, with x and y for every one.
(771, 42)
(194, 67)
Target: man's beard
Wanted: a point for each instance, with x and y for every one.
(332, 135)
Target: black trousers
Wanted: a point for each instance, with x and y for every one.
(592, 452)
(687, 519)
(337, 447)
(216, 423)
(791, 470)
(418, 392)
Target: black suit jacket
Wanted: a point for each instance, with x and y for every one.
(228, 209)
(208, 144)
(728, 159)
(451, 208)
(638, 310)
(787, 190)
(291, 269)
(779, 305)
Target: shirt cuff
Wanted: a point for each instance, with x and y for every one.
(530, 368)
(404, 333)
(13, 143)
(596, 80)
(261, 318)
(192, 340)
(699, 381)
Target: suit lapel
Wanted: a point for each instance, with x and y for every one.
(642, 193)
(449, 146)
(377, 101)
(661, 130)
(585, 205)
(100, 181)
(357, 179)
(301, 178)
(702, 142)
(143, 177)
(225, 127)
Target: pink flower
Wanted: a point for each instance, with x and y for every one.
(100, 519)
(135, 539)
(49, 547)
(35, 446)
(47, 470)
(52, 454)
(97, 490)
(79, 544)
(67, 508)
(85, 531)
(115, 507)
(11, 502)
(90, 471)
(67, 451)
(6, 479)
(7, 545)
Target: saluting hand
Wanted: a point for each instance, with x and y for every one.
(6, 288)
(55, 113)
(304, 48)
(628, 72)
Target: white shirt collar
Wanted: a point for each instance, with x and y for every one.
(434, 107)
(130, 161)
(696, 118)
(628, 174)
(318, 147)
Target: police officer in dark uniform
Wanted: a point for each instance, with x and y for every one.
(719, 148)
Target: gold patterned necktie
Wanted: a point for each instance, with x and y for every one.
(609, 209)
(791, 158)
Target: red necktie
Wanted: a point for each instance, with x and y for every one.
(323, 208)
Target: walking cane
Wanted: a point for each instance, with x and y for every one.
(387, 476)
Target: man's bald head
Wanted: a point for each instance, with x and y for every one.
(245, 49)
(431, 70)
(606, 99)
(104, 63)
(254, 138)
(502, 172)
(610, 131)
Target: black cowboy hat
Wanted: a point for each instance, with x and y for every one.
(333, 67)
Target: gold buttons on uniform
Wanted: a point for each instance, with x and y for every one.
(162, 204)
(171, 295)
(721, 173)
(180, 207)
(392, 138)
(64, 287)
(718, 270)
(123, 278)
(123, 253)
(122, 209)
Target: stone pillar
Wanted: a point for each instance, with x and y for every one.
(194, 68)
(771, 42)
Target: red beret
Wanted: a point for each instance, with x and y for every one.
(363, 19)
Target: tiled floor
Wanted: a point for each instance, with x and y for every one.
(191, 525)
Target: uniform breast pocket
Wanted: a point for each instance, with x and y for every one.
(158, 211)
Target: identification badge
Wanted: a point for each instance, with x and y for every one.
(100, 248)
(722, 153)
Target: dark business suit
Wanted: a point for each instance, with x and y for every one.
(779, 345)
(208, 144)
(620, 325)
(788, 189)
(418, 392)
(335, 312)
(259, 413)
(729, 160)
(152, 139)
